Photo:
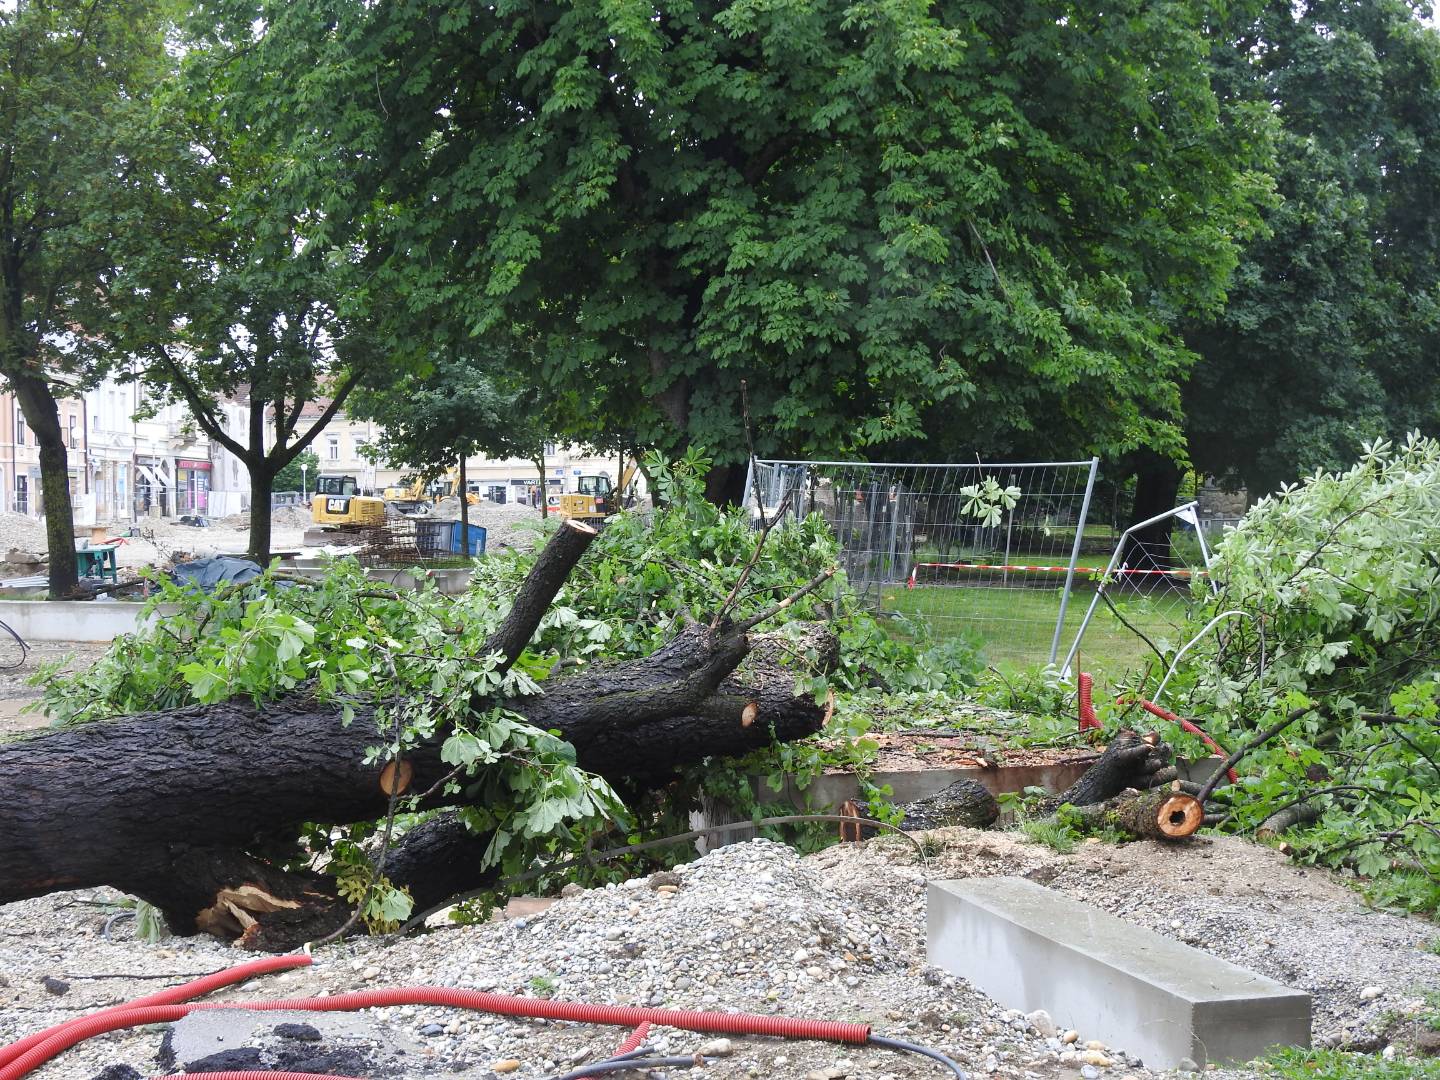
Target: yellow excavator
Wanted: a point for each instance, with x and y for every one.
(338, 506)
(594, 499)
(408, 500)
(449, 488)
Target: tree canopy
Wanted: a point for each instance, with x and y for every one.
(862, 209)
(74, 145)
(238, 302)
(1332, 325)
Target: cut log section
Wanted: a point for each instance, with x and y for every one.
(1161, 814)
(965, 802)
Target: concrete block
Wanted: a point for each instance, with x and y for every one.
(1159, 1000)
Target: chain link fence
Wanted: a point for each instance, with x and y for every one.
(986, 551)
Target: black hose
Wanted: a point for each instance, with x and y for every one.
(112, 920)
(914, 1048)
(599, 1068)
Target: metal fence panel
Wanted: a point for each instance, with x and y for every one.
(985, 550)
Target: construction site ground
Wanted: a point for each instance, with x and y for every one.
(752, 927)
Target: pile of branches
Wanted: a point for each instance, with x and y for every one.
(247, 764)
(1323, 670)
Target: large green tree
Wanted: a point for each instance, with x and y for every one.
(74, 137)
(1332, 330)
(861, 208)
(241, 303)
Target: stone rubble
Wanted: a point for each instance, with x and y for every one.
(751, 927)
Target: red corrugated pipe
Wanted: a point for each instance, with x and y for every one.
(183, 992)
(1187, 725)
(1088, 719)
(67, 1035)
(633, 1040)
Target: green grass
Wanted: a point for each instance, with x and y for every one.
(1016, 625)
(1338, 1065)
(1043, 831)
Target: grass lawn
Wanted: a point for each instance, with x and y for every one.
(1015, 625)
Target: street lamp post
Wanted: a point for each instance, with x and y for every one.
(304, 480)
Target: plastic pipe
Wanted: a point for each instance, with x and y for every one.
(67, 1035)
(1088, 719)
(183, 992)
(633, 1040)
(1187, 725)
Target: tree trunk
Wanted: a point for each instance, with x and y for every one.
(965, 802)
(1161, 814)
(464, 510)
(42, 414)
(1157, 482)
(544, 491)
(1302, 813)
(1130, 761)
(725, 485)
(140, 802)
(262, 479)
(180, 807)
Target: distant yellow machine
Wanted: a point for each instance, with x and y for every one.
(338, 504)
(594, 499)
(449, 488)
(410, 500)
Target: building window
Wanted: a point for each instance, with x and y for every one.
(549, 450)
(19, 430)
(22, 495)
(74, 442)
(333, 443)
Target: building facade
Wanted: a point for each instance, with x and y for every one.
(341, 448)
(129, 458)
(133, 458)
(20, 456)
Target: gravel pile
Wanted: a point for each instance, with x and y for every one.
(21, 531)
(755, 927)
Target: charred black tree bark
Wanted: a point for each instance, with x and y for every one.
(965, 802)
(179, 807)
(1130, 761)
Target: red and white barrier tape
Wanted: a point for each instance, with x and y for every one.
(1043, 569)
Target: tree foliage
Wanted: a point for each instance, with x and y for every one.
(863, 209)
(1331, 328)
(236, 302)
(451, 409)
(303, 467)
(1340, 587)
(74, 148)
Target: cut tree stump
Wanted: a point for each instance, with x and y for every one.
(193, 809)
(1130, 761)
(1159, 814)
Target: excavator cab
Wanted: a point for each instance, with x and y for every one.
(337, 503)
(590, 500)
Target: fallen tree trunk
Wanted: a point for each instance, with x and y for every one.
(965, 802)
(181, 808)
(1130, 761)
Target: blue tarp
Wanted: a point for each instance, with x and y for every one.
(207, 574)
